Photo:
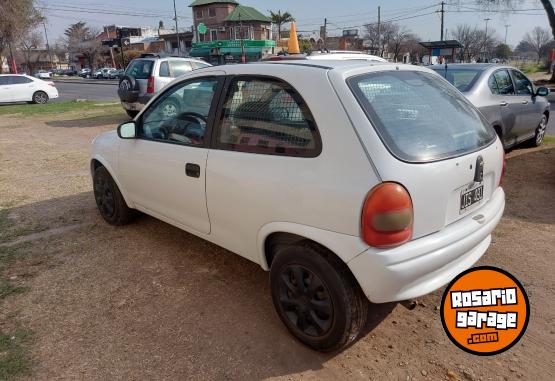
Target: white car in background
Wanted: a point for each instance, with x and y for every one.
(43, 74)
(349, 182)
(24, 88)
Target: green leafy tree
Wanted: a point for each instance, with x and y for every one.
(503, 51)
(279, 19)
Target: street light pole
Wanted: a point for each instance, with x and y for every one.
(176, 29)
(506, 31)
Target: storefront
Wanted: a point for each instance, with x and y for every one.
(231, 51)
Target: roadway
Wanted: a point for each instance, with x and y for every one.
(94, 90)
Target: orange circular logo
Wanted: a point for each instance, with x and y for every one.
(485, 311)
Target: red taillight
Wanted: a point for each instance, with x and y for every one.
(150, 85)
(387, 216)
(503, 170)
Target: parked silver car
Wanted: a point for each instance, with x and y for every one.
(506, 97)
(147, 75)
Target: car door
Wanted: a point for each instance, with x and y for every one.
(22, 88)
(164, 168)
(531, 111)
(5, 89)
(510, 106)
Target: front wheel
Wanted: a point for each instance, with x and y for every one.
(40, 97)
(540, 132)
(317, 298)
(110, 202)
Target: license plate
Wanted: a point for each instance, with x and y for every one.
(472, 197)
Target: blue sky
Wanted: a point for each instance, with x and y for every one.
(417, 15)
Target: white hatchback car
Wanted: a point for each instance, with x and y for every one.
(348, 181)
(24, 88)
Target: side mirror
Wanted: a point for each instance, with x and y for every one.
(542, 91)
(127, 130)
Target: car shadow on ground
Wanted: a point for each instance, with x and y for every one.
(93, 121)
(532, 187)
(148, 298)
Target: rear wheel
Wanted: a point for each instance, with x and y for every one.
(40, 97)
(110, 202)
(316, 297)
(132, 113)
(540, 132)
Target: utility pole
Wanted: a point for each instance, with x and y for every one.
(442, 11)
(506, 31)
(379, 31)
(176, 29)
(486, 37)
(47, 44)
(325, 32)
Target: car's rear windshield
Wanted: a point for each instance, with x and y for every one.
(419, 117)
(462, 79)
(140, 69)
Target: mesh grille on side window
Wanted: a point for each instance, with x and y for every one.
(267, 116)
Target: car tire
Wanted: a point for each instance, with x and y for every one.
(40, 97)
(540, 132)
(316, 297)
(110, 202)
(132, 113)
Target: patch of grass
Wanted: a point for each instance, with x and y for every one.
(14, 359)
(549, 140)
(7, 289)
(9, 232)
(532, 68)
(61, 107)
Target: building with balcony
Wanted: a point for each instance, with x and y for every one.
(225, 31)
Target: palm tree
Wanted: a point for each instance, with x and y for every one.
(279, 19)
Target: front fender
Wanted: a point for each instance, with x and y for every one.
(106, 164)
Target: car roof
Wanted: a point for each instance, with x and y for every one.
(344, 68)
(346, 56)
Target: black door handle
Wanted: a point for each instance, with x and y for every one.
(192, 170)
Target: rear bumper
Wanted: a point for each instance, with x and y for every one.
(425, 264)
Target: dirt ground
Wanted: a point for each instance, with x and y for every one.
(148, 301)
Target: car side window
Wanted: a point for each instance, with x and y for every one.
(164, 69)
(4, 81)
(267, 116)
(18, 80)
(180, 115)
(198, 65)
(523, 85)
(180, 67)
(504, 82)
(492, 83)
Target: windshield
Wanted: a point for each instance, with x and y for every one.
(462, 79)
(419, 117)
(140, 69)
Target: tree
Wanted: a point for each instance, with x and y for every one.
(80, 39)
(503, 51)
(398, 41)
(538, 40)
(28, 45)
(475, 43)
(279, 19)
(381, 41)
(17, 17)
